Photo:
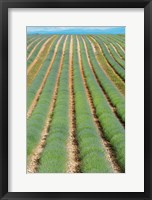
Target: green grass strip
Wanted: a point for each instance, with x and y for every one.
(33, 45)
(31, 91)
(115, 44)
(118, 69)
(118, 37)
(107, 68)
(33, 72)
(36, 51)
(113, 52)
(112, 92)
(54, 157)
(92, 153)
(31, 39)
(122, 44)
(119, 50)
(36, 122)
(113, 129)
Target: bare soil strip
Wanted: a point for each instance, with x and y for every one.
(111, 69)
(106, 96)
(39, 91)
(110, 155)
(34, 158)
(34, 48)
(32, 42)
(38, 55)
(73, 165)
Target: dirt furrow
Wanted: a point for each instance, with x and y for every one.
(34, 48)
(38, 55)
(110, 155)
(39, 91)
(122, 90)
(34, 159)
(106, 96)
(72, 145)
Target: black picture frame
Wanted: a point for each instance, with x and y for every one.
(4, 5)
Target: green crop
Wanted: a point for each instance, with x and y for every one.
(120, 42)
(54, 157)
(33, 45)
(119, 50)
(118, 69)
(107, 68)
(36, 51)
(30, 39)
(92, 153)
(36, 122)
(99, 106)
(113, 52)
(31, 91)
(111, 126)
(112, 92)
(39, 62)
(121, 38)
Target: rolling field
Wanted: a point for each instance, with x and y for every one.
(76, 103)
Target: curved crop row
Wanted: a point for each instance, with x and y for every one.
(36, 51)
(35, 124)
(54, 157)
(114, 95)
(92, 153)
(113, 129)
(113, 52)
(118, 41)
(120, 38)
(106, 67)
(32, 90)
(31, 39)
(34, 43)
(119, 70)
(36, 65)
(117, 47)
(34, 48)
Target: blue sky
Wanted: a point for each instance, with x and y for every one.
(75, 30)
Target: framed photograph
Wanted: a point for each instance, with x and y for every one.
(75, 99)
